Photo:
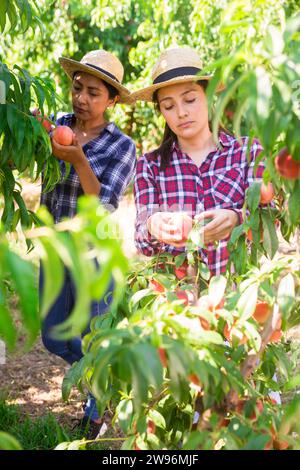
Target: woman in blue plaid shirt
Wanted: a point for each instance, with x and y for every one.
(102, 162)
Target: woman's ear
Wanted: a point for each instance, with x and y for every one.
(113, 102)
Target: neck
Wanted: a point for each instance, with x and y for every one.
(200, 142)
(90, 125)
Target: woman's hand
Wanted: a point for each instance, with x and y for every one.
(161, 226)
(221, 225)
(69, 153)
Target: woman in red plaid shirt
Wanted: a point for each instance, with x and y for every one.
(189, 172)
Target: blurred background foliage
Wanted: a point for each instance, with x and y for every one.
(137, 31)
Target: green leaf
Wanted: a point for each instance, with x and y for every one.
(264, 93)
(274, 41)
(224, 100)
(62, 446)
(286, 294)
(253, 196)
(292, 27)
(157, 418)
(270, 240)
(3, 10)
(294, 206)
(247, 302)
(7, 328)
(8, 442)
(138, 296)
(179, 260)
(23, 277)
(140, 381)
(2, 101)
(124, 411)
(53, 272)
(25, 219)
(216, 289)
(236, 233)
(293, 383)
(193, 441)
(204, 271)
(128, 443)
(257, 442)
(239, 256)
(210, 337)
(253, 335)
(70, 251)
(178, 368)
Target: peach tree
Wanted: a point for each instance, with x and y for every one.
(196, 360)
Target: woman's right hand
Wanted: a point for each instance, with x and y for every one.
(162, 227)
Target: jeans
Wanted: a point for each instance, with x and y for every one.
(70, 350)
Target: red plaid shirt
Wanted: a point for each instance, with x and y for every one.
(219, 182)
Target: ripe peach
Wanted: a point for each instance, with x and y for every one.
(250, 236)
(194, 379)
(286, 165)
(266, 193)
(280, 445)
(156, 286)
(204, 323)
(182, 295)
(259, 406)
(229, 114)
(151, 427)
(181, 272)
(163, 357)
(276, 336)
(223, 423)
(45, 123)
(63, 135)
(262, 311)
(184, 224)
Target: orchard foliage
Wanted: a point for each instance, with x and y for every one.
(169, 358)
(18, 15)
(24, 143)
(181, 356)
(262, 89)
(79, 245)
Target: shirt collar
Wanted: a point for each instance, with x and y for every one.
(224, 139)
(110, 127)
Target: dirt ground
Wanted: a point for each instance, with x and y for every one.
(33, 380)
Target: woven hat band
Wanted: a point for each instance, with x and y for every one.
(102, 70)
(178, 72)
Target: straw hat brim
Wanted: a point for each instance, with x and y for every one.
(71, 66)
(146, 94)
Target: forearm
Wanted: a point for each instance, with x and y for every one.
(88, 180)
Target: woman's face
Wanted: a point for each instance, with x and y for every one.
(184, 107)
(90, 97)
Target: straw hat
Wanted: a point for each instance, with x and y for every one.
(101, 64)
(175, 65)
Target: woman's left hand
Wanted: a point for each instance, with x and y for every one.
(69, 153)
(220, 227)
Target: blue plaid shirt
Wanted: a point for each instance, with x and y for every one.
(112, 158)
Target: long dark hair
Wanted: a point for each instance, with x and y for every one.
(169, 137)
